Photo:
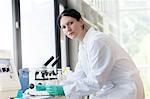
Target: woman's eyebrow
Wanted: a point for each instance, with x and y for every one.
(67, 22)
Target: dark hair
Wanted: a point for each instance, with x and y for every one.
(69, 12)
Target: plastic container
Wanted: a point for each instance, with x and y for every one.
(24, 78)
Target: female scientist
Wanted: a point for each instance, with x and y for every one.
(103, 69)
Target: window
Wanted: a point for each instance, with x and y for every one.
(37, 32)
(135, 36)
(6, 28)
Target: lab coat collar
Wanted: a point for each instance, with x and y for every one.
(88, 35)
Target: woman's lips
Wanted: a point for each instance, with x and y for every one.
(70, 33)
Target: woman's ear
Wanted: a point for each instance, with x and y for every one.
(81, 21)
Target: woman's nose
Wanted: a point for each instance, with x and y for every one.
(68, 28)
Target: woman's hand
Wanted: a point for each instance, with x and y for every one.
(55, 90)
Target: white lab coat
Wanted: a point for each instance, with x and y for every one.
(104, 70)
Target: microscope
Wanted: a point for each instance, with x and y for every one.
(9, 81)
(48, 74)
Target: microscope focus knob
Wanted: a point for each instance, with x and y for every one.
(31, 86)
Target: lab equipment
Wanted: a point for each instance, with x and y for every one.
(44, 75)
(9, 82)
(40, 87)
(47, 73)
(24, 78)
(19, 94)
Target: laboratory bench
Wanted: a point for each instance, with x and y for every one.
(42, 97)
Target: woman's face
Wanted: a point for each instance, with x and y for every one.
(71, 27)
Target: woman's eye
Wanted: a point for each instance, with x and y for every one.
(63, 27)
(70, 23)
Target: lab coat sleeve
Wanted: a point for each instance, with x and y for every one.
(76, 75)
(73, 76)
(101, 62)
